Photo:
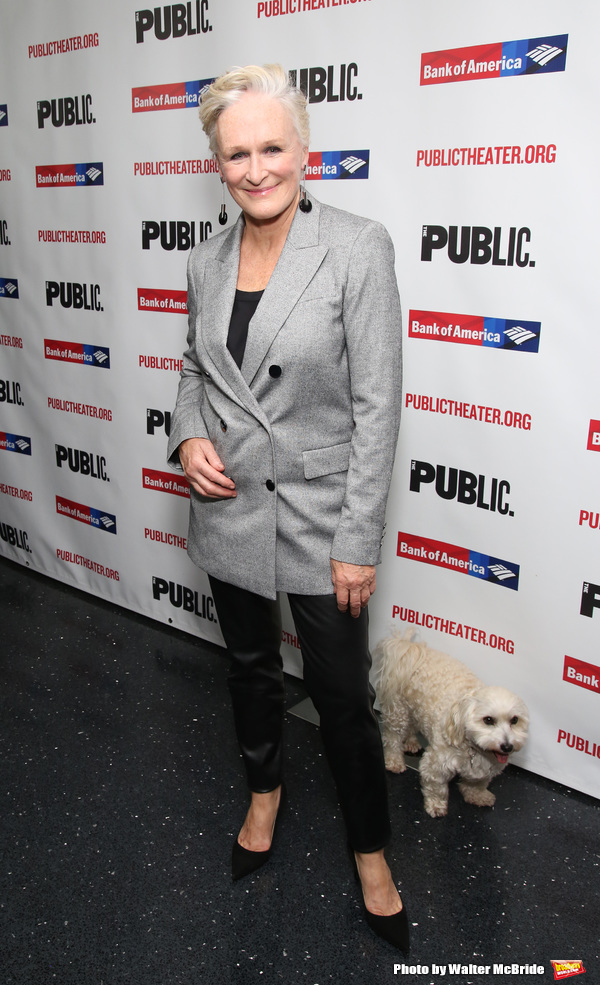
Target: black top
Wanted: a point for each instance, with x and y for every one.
(244, 306)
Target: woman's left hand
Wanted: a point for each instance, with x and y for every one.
(353, 585)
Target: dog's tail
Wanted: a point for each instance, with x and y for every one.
(388, 654)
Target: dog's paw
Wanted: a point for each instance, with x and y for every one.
(412, 745)
(436, 809)
(395, 763)
(477, 796)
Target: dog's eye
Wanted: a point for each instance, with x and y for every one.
(514, 720)
(489, 720)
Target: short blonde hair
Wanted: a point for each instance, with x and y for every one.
(270, 80)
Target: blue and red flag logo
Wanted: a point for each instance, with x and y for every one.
(69, 175)
(493, 333)
(9, 287)
(87, 514)
(501, 59)
(15, 442)
(461, 559)
(77, 352)
(330, 165)
(169, 95)
(166, 482)
(162, 299)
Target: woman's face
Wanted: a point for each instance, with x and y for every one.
(260, 156)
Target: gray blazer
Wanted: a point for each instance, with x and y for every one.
(307, 429)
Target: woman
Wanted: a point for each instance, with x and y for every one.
(285, 426)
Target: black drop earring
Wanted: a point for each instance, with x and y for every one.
(305, 204)
(222, 213)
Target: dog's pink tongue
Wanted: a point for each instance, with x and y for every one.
(501, 757)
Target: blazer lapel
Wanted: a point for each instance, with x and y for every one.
(218, 293)
(300, 259)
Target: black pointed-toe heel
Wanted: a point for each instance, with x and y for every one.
(243, 861)
(394, 928)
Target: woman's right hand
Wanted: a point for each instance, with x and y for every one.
(204, 469)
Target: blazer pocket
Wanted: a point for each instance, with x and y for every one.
(326, 461)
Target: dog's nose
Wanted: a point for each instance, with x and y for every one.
(507, 747)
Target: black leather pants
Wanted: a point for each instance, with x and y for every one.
(337, 661)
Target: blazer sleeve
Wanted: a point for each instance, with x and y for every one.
(186, 419)
(373, 332)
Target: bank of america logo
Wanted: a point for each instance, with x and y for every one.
(107, 522)
(3, 117)
(519, 335)
(501, 572)
(93, 173)
(348, 164)
(544, 53)
(100, 356)
(9, 288)
(500, 59)
(462, 560)
(16, 443)
(352, 164)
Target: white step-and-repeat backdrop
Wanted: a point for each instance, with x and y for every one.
(470, 131)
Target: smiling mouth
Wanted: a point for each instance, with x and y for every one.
(260, 191)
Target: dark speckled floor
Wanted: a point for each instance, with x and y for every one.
(122, 791)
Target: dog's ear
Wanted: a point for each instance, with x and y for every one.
(521, 729)
(455, 726)
(522, 711)
(458, 716)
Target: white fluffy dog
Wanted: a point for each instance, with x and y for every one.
(471, 729)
